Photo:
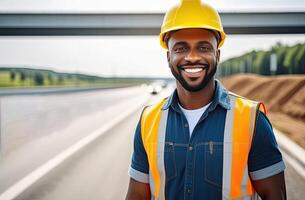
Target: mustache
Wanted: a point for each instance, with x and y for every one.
(193, 64)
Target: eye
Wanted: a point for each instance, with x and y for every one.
(205, 48)
(180, 49)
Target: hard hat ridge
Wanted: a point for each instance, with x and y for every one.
(191, 14)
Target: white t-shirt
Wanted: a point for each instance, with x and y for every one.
(193, 116)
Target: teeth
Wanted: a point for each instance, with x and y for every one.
(193, 70)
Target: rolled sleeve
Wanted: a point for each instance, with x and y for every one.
(265, 158)
(268, 171)
(139, 167)
(138, 176)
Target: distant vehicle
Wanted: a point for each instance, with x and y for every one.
(163, 83)
(154, 88)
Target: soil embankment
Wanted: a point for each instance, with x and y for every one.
(284, 97)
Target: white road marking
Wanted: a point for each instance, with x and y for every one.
(293, 153)
(298, 156)
(34, 176)
(296, 165)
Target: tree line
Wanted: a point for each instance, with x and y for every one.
(286, 60)
(41, 76)
(18, 76)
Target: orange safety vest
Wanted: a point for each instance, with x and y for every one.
(238, 134)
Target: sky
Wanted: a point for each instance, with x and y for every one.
(141, 5)
(122, 55)
(115, 55)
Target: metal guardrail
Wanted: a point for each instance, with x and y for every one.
(53, 90)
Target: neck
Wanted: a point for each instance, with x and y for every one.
(194, 100)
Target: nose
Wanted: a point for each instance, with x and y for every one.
(192, 56)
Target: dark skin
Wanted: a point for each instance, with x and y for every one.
(138, 191)
(193, 46)
(200, 46)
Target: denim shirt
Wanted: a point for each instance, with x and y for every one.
(193, 164)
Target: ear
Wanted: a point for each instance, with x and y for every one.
(217, 55)
(168, 56)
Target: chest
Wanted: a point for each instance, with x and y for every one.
(201, 164)
(199, 156)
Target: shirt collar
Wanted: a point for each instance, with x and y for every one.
(221, 97)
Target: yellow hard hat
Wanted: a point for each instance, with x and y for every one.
(191, 14)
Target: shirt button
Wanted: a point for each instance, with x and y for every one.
(190, 148)
(186, 125)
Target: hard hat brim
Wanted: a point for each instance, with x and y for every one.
(162, 35)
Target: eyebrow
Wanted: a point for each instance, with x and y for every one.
(180, 43)
(205, 42)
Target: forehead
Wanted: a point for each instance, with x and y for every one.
(192, 35)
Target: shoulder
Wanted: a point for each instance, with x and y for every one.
(264, 154)
(245, 102)
(234, 95)
(150, 121)
(153, 108)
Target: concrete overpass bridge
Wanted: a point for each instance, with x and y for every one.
(60, 24)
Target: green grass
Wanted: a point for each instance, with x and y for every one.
(5, 81)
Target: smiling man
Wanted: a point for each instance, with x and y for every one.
(202, 142)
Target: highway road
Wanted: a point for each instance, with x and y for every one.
(38, 128)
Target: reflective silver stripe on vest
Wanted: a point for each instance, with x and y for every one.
(160, 152)
(254, 110)
(244, 182)
(227, 151)
(246, 171)
(152, 186)
(256, 197)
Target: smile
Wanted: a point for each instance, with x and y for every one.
(193, 70)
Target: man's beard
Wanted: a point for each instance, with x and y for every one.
(198, 87)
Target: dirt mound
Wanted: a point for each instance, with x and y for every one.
(284, 97)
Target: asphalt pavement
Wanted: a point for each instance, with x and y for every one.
(96, 171)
